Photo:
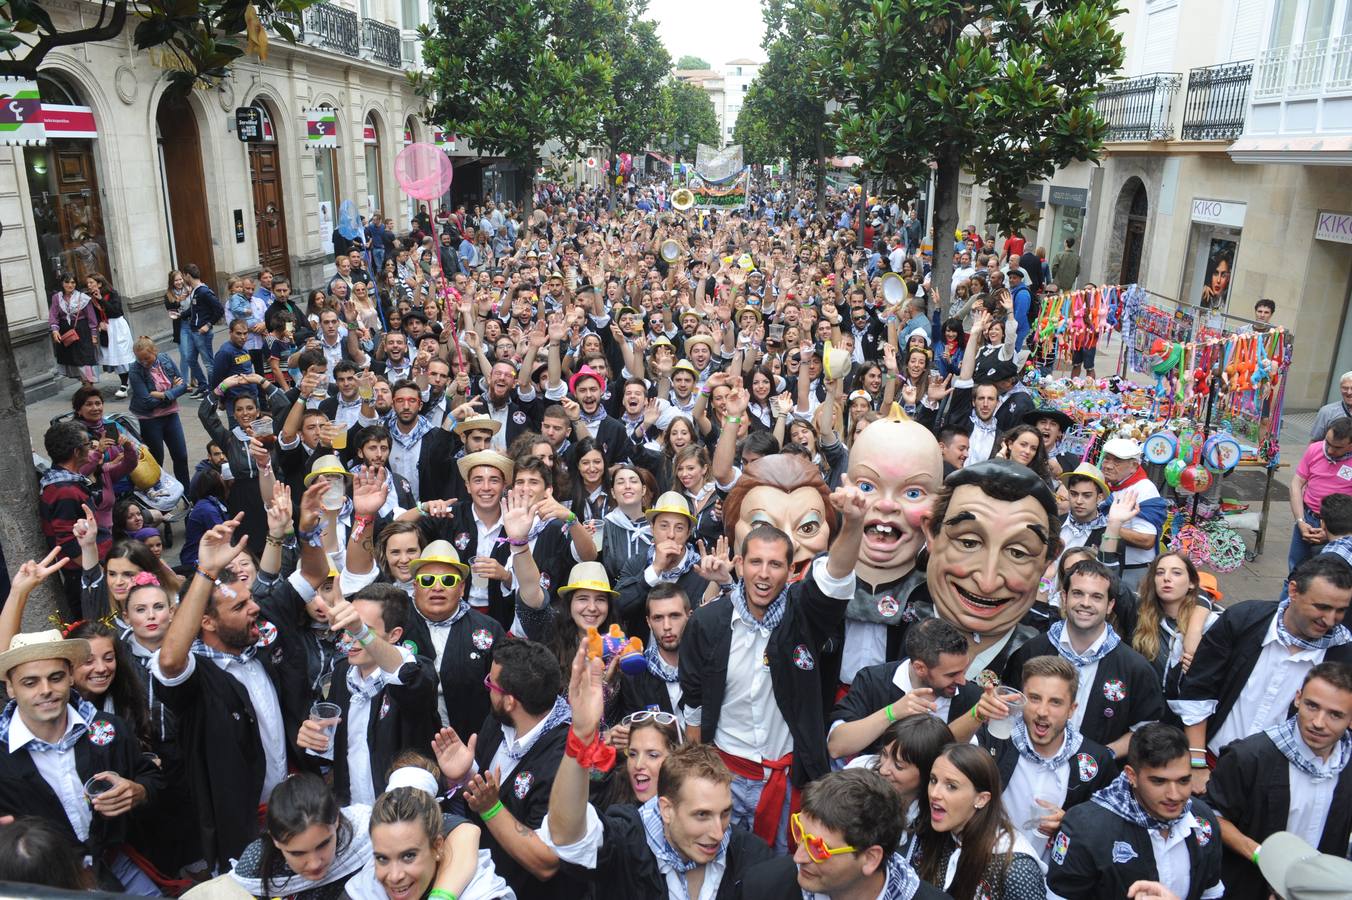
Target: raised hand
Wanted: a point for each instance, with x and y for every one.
(214, 550)
(370, 489)
(938, 390)
(1125, 507)
(86, 530)
(585, 694)
(454, 756)
(848, 500)
(715, 566)
(279, 510)
(516, 515)
(736, 402)
(32, 573)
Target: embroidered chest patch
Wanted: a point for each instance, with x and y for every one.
(519, 417)
(267, 633)
(1203, 832)
(1114, 690)
(802, 658)
(1123, 852)
(384, 707)
(461, 541)
(482, 638)
(888, 606)
(101, 733)
(1087, 765)
(521, 784)
(1059, 847)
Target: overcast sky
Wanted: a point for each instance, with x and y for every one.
(715, 30)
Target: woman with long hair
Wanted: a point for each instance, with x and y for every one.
(966, 845)
(679, 433)
(760, 387)
(104, 586)
(397, 545)
(691, 466)
(175, 295)
(587, 463)
(651, 735)
(74, 322)
(156, 385)
(950, 348)
(910, 746)
(1023, 444)
(1172, 614)
(111, 680)
(625, 531)
(244, 468)
(115, 337)
(915, 378)
(310, 847)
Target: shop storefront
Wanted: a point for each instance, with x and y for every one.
(322, 136)
(1333, 237)
(63, 188)
(1212, 252)
(1068, 210)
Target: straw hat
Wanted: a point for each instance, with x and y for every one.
(36, 645)
(486, 458)
(685, 365)
(670, 502)
(1090, 471)
(439, 552)
(478, 422)
(588, 576)
(328, 464)
(699, 339)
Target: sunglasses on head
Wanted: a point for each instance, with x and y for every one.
(446, 579)
(816, 847)
(649, 715)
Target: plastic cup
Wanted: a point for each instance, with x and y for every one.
(477, 582)
(97, 785)
(339, 441)
(598, 531)
(335, 495)
(1003, 728)
(262, 429)
(328, 715)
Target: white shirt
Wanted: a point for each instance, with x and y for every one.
(498, 414)
(358, 716)
(985, 655)
(981, 444)
(57, 768)
(485, 536)
(1028, 783)
(1135, 556)
(1087, 675)
(865, 645)
(1272, 685)
(520, 746)
(267, 710)
(750, 724)
(1172, 863)
(902, 679)
(405, 462)
(1311, 798)
(584, 852)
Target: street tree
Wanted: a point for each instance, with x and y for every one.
(692, 62)
(1001, 88)
(690, 119)
(636, 113)
(510, 75)
(197, 42)
(784, 115)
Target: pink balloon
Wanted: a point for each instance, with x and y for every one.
(424, 171)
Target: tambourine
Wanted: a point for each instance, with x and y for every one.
(1221, 453)
(1160, 447)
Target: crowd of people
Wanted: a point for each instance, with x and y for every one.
(651, 553)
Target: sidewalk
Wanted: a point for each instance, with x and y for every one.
(1261, 578)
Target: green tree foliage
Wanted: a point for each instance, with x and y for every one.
(690, 119)
(1002, 88)
(199, 40)
(692, 62)
(796, 97)
(636, 113)
(510, 75)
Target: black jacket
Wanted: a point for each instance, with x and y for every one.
(810, 620)
(873, 688)
(464, 665)
(1251, 789)
(626, 867)
(1091, 769)
(1227, 655)
(1127, 690)
(1083, 866)
(402, 717)
(644, 691)
(632, 608)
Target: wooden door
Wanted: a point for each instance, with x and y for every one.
(1133, 247)
(77, 209)
(269, 210)
(187, 192)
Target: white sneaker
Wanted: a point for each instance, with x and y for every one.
(121, 393)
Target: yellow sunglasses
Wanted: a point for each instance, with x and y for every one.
(816, 847)
(447, 579)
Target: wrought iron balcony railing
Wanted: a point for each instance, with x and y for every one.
(1216, 102)
(381, 41)
(327, 25)
(1140, 109)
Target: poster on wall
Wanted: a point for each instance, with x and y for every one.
(1220, 266)
(21, 122)
(326, 226)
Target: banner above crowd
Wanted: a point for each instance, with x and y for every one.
(720, 180)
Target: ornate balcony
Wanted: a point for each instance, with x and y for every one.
(1140, 109)
(381, 42)
(333, 27)
(1216, 102)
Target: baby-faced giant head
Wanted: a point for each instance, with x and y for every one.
(898, 467)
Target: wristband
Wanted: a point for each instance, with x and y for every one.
(978, 716)
(363, 637)
(488, 814)
(1254, 858)
(360, 524)
(315, 536)
(598, 755)
(439, 894)
(732, 420)
(571, 520)
(888, 709)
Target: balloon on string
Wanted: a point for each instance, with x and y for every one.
(1173, 471)
(349, 223)
(423, 170)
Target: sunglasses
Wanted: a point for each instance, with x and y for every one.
(446, 579)
(816, 848)
(649, 715)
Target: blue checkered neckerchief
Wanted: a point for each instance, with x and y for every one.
(901, 884)
(774, 613)
(1070, 745)
(244, 656)
(659, 667)
(685, 564)
(86, 710)
(1286, 736)
(460, 612)
(1120, 800)
(668, 857)
(1335, 638)
(1110, 641)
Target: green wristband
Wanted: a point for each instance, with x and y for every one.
(1254, 859)
(888, 709)
(439, 894)
(488, 814)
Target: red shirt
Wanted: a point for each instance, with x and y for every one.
(1014, 247)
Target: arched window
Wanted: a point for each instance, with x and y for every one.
(375, 186)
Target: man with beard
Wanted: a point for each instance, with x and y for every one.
(657, 688)
(1118, 689)
(509, 771)
(236, 702)
(505, 406)
(991, 533)
(419, 450)
(749, 678)
(898, 467)
(396, 365)
(590, 419)
(1144, 826)
(931, 679)
(1046, 765)
(671, 559)
(1290, 777)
